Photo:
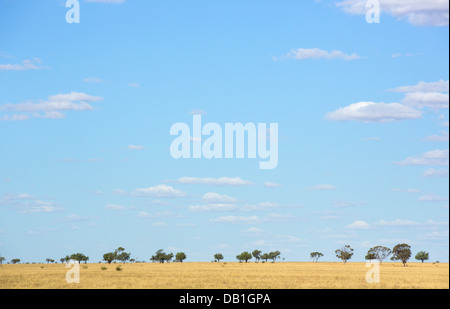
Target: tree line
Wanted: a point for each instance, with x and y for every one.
(401, 252)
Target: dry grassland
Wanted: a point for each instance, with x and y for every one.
(283, 275)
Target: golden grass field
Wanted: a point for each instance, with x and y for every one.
(283, 275)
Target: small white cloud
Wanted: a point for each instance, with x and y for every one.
(406, 190)
(30, 64)
(51, 108)
(317, 53)
(134, 85)
(212, 197)
(440, 86)
(345, 204)
(396, 223)
(272, 185)
(93, 80)
(436, 173)
(374, 112)
(434, 157)
(438, 138)
(222, 181)
(433, 198)
(213, 207)
(321, 187)
(433, 100)
(358, 225)
(159, 191)
(237, 219)
(136, 147)
(115, 207)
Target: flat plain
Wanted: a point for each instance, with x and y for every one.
(226, 275)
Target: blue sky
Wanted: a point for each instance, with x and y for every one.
(86, 111)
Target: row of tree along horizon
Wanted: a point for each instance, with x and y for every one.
(401, 252)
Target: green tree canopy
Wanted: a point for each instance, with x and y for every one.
(401, 252)
(379, 253)
(244, 256)
(422, 256)
(345, 253)
(257, 255)
(218, 257)
(180, 257)
(109, 257)
(315, 256)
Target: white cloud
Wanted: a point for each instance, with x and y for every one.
(268, 184)
(406, 190)
(436, 173)
(433, 100)
(94, 80)
(216, 198)
(136, 147)
(434, 157)
(316, 53)
(115, 207)
(438, 138)
(31, 64)
(432, 198)
(440, 86)
(358, 225)
(237, 219)
(38, 206)
(260, 206)
(51, 108)
(396, 223)
(374, 112)
(253, 230)
(223, 181)
(417, 12)
(344, 204)
(27, 204)
(159, 191)
(134, 85)
(213, 207)
(321, 187)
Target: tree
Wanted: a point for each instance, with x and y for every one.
(218, 257)
(1, 260)
(274, 255)
(379, 253)
(117, 252)
(180, 256)
(124, 257)
(49, 261)
(265, 257)
(15, 261)
(422, 256)
(161, 256)
(244, 256)
(109, 257)
(80, 257)
(345, 253)
(401, 252)
(168, 257)
(315, 256)
(257, 255)
(62, 260)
